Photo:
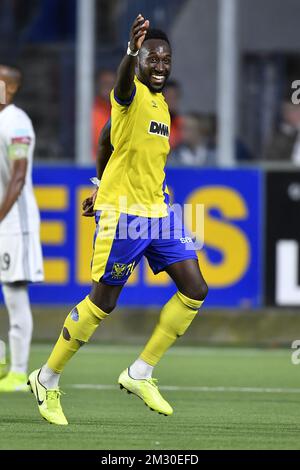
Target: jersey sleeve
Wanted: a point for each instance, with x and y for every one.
(122, 102)
(19, 137)
(123, 106)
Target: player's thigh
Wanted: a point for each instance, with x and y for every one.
(181, 265)
(21, 258)
(12, 266)
(188, 278)
(116, 254)
(174, 252)
(34, 257)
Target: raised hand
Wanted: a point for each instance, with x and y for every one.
(138, 32)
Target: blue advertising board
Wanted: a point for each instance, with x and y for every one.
(230, 259)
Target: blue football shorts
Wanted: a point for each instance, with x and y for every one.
(121, 240)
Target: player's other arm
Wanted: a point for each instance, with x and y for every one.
(124, 89)
(15, 186)
(103, 156)
(104, 150)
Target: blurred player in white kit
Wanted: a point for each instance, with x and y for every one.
(21, 260)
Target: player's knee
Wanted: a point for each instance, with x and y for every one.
(8, 293)
(197, 292)
(106, 305)
(202, 291)
(104, 299)
(16, 299)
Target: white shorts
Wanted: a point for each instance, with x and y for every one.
(21, 258)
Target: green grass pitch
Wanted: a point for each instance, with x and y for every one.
(223, 399)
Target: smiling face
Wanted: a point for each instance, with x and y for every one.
(154, 64)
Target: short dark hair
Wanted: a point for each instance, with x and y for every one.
(157, 34)
(11, 66)
(15, 68)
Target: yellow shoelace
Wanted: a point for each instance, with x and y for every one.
(153, 382)
(53, 398)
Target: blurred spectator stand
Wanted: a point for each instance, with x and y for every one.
(285, 144)
(172, 94)
(197, 147)
(102, 106)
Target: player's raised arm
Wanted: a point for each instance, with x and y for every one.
(124, 88)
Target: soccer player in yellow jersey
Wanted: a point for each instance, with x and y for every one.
(134, 219)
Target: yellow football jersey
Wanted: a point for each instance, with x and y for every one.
(134, 180)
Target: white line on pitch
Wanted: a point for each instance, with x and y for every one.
(178, 351)
(175, 388)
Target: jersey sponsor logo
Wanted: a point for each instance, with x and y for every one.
(185, 240)
(159, 128)
(154, 104)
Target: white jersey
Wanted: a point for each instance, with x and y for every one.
(16, 127)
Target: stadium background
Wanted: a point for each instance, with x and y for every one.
(247, 217)
(230, 378)
(251, 202)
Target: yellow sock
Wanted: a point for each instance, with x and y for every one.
(175, 318)
(78, 328)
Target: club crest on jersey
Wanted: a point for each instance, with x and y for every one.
(120, 270)
(159, 128)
